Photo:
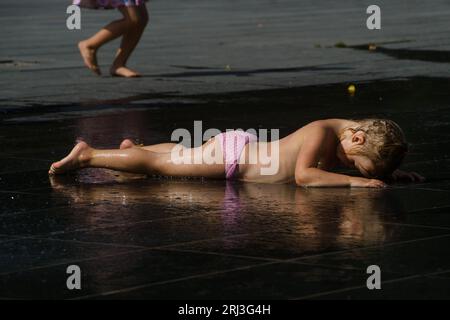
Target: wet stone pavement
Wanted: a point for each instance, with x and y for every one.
(247, 64)
(216, 46)
(158, 238)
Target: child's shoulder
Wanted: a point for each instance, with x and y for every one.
(319, 129)
(318, 125)
(328, 125)
(313, 128)
(326, 122)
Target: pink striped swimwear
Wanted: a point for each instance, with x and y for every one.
(233, 143)
(108, 4)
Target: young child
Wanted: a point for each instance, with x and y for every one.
(130, 28)
(374, 147)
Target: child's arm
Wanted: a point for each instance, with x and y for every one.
(308, 175)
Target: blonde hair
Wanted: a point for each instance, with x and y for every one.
(384, 144)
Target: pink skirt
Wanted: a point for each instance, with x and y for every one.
(108, 4)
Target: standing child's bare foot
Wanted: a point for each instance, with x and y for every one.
(75, 160)
(123, 71)
(89, 57)
(127, 144)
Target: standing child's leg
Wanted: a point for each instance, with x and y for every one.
(137, 18)
(88, 48)
(137, 160)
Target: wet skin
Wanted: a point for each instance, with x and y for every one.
(305, 156)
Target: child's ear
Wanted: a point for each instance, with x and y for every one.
(359, 138)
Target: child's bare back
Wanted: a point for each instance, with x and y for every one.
(325, 132)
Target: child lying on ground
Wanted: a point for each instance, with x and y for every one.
(374, 147)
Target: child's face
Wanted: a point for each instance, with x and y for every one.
(362, 163)
(351, 160)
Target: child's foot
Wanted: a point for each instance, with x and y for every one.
(123, 72)
(89, 57)
(75, 160)
(127, 144)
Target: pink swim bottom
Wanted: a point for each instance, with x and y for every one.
(233, 142)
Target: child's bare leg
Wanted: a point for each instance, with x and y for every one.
(88, 48)
(137, 160)
(159, 148)
(137, 19)
(126, 144)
